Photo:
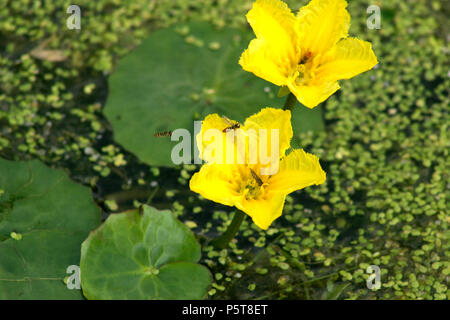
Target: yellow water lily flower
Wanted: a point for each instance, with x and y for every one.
(308, 52)
(261, 196)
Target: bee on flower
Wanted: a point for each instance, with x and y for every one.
(307, 53)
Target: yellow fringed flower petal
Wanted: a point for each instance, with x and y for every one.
(321, 24)
(214, 144)
(265, 210)
(218, 183)
(347, 59)
(268, 119)
(298, 170)
(259, 60)
(274, 51)
(311, 95)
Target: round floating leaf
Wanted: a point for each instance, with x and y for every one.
(44, 217)
(143, 254)
(171, 79)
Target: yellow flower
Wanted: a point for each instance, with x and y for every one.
(244, 186)
(308, 52)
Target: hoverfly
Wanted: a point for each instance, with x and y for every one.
(232, 125)
(163, 134)
(255, 176)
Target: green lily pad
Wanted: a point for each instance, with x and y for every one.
(143, 254)
(44, 217)
(174, 78)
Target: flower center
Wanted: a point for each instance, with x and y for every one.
(253, 186)
(303, 74)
